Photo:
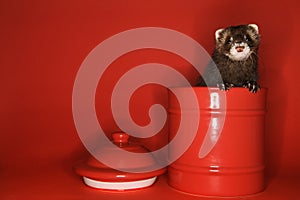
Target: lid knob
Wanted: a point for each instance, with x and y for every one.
(120, 137)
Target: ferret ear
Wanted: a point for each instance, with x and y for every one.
(218, 33)
(254, 26)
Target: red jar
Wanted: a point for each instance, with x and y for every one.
(235, 164)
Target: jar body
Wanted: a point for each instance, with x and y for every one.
(234, 166)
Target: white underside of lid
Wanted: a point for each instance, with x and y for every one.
(119, 185)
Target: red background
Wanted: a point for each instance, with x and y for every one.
(43, 44)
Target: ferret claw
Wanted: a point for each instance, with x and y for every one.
(252, 86)
(225, 86)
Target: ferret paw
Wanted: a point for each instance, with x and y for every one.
(252, 86)
(225, 86)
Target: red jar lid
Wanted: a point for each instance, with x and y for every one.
(97, 174)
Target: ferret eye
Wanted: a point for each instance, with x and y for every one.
(248, 39)
(228, 41)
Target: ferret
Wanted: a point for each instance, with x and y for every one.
(235, 57)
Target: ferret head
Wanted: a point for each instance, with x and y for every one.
(238, 42)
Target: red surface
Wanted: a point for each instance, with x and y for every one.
(234, 163)
(93, 169)
(43, 44)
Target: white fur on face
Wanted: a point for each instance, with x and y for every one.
(239, 56)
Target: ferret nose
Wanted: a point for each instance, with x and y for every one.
(240, 48)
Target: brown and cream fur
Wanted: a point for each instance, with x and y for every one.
(234, 60)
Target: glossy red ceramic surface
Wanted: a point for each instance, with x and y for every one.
(94, 169)
(235, 166)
